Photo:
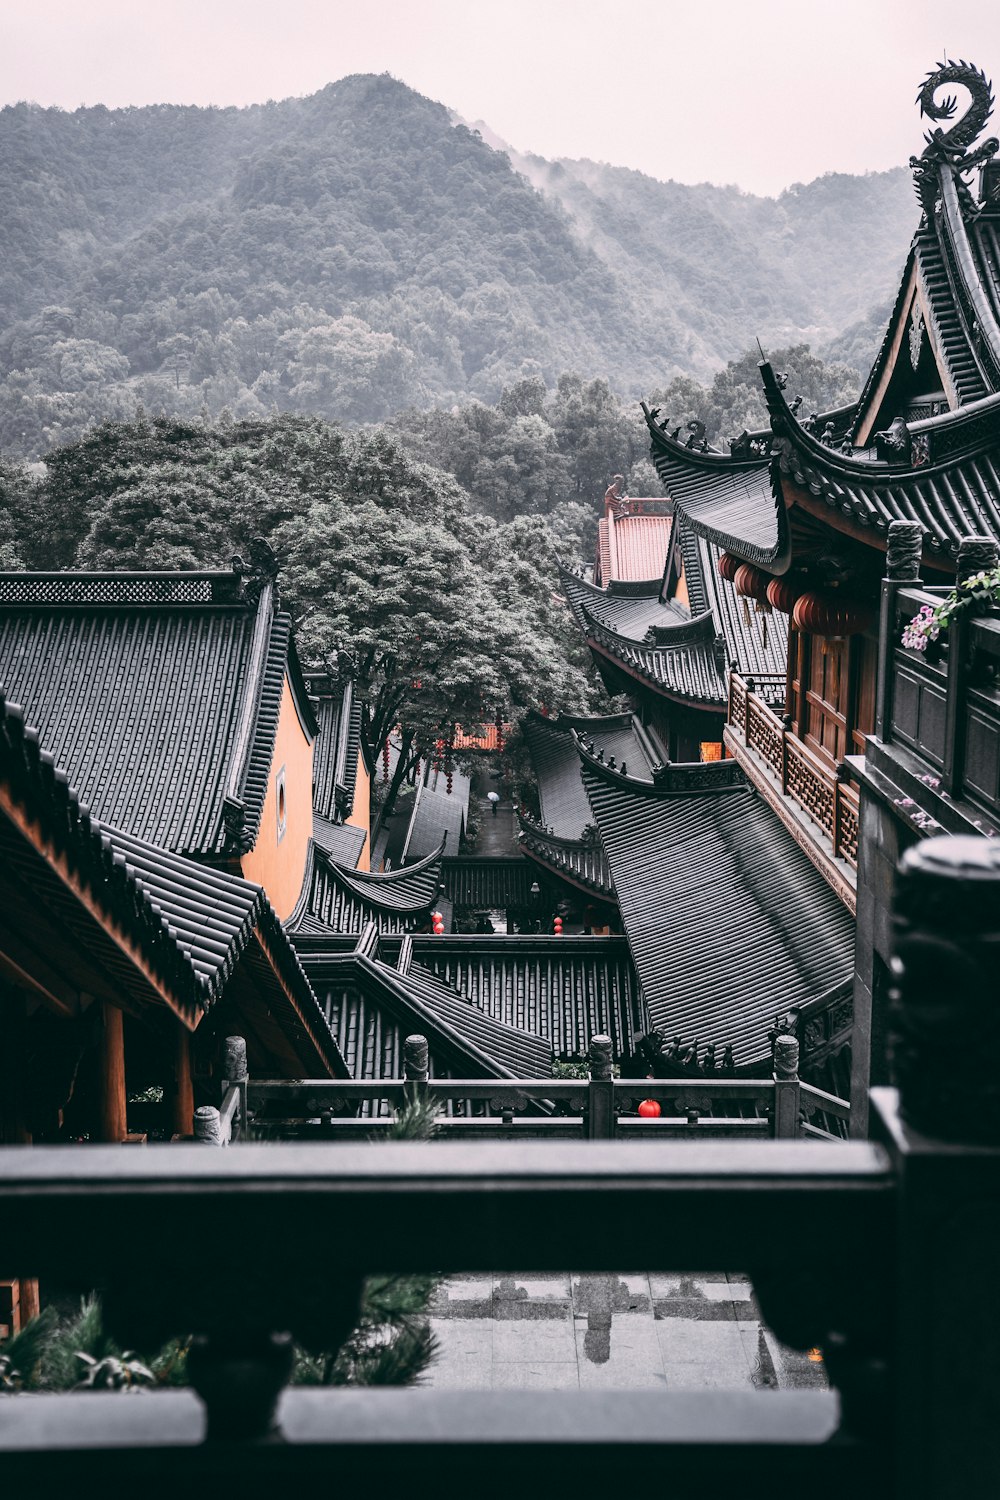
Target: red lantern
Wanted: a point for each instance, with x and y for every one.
(649, 1109)
(782, 595)
(727, 566)
(557, 926)
(827, 614)
(751, 582)
(385, 761)
(449, 782)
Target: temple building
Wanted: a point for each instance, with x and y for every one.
(866, 742)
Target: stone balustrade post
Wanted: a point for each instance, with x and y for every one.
(235, 1074)
(601, 1092)
(208, 1126)
(416, 1066)
(942, 1131)
(786, 1126)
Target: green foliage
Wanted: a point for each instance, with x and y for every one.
(356, 252)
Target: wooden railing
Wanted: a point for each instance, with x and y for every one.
(943, 705)
(820, 791)
(598, 1107)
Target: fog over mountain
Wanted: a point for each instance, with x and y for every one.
(358, 252)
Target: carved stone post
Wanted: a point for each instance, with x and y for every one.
(208, 1126)
(235, 1074)
(902, 567)
(415, 1066)
(943, 1134)
(786, 1088)
(601, 1093)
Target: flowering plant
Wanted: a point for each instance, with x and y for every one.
(927, 624)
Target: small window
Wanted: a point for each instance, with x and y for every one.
(279, 787)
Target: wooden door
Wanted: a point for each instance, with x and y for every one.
(828, 698)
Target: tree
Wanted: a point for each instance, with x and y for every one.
(434, 641)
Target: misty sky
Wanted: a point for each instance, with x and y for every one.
(762, 93)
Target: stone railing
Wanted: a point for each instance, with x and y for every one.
(823, 793)
(877, 1253)
(599, 1107)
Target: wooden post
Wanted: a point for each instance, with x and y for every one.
(601, 1092)
(786, 729)
(902, 566)
(183, 1110)
(113, 1124)
(236, 1074)
(786, 1088)
(943, 1136)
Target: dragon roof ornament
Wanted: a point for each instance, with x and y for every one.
(951, 147)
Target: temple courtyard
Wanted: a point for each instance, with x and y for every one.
(619, 1331)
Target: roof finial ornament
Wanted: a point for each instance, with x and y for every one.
(951, 147)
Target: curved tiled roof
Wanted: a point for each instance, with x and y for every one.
(193, 924)
(565, 810)
(342, 900)
(952, 498)
(575, 860)
(955, 495)
(563, 989)
(724, 498)
(338, 742)
(517, 1053)
(630, 613)
(158, 694)
(342, 841)
(558, 840)
(690, 671)
(728, 921)
(373, 1007)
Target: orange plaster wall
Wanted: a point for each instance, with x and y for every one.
(681, 591)
(280, 867)
(361, 813)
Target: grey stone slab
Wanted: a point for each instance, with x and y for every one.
(709, 1345)
(534, 1341)
(534, 1375)
(620, 1352)
(465, 1338)
(459, 1374)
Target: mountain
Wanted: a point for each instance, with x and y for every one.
(358, 251)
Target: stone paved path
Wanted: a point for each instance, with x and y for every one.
(618, 1331)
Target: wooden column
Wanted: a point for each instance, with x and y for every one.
(111, 1078)
(183, 1113)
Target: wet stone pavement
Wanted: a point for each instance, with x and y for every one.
(609, 1332)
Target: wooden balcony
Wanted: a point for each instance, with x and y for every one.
(939, 711)
(814, 801)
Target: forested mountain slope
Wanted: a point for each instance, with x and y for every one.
(357, 252)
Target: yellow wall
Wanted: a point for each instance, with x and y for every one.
(280, 866)
(361, 813)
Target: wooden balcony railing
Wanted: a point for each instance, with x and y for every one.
(820, 791)
(943, 705)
